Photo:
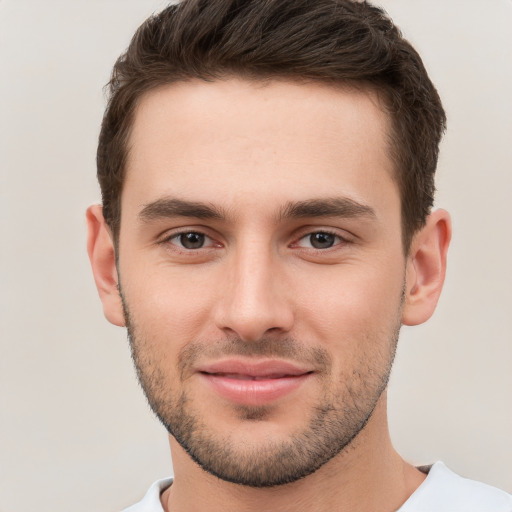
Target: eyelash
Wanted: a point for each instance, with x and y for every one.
(176, 236)
(339, 240)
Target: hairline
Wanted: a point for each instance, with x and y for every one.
(377, 93)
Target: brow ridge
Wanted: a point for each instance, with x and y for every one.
(328, 207)
(170, 207)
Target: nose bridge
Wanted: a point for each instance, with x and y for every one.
(254, 300)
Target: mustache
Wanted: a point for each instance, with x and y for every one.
(267, 347)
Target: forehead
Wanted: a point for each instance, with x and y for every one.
(240, 140)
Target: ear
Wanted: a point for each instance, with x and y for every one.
(426, 268)
(100, 248)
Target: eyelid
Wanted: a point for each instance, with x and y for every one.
(207, 240)
(338, 240)
(343, 236)
(170, 235)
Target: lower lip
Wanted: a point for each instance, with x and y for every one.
(254, 392)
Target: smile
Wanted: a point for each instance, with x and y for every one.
(254, 384)
(240, 376)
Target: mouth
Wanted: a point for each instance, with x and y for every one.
(239, 376)
(254, 383)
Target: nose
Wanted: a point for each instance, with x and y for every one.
(255, 300)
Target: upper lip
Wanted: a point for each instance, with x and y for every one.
(269, 368)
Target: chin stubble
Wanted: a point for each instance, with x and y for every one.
(333, 424)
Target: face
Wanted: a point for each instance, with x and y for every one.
(261, 270)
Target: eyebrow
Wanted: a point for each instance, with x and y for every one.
(329, 207)
(170, 207)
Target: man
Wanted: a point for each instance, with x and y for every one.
(267, 175)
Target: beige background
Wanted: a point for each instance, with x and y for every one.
(75, 432)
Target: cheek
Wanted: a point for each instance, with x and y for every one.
(168, 308)
(354, 305)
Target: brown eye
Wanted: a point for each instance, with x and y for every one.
(322, 240)
(191, 240)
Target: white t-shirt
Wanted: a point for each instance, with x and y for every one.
(441, 491)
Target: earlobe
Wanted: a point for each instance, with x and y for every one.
(100, 248)
(426, 268)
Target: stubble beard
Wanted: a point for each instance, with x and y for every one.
(334, 422)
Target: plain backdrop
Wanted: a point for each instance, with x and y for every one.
(75, 431)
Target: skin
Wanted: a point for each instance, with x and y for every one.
(249, 151)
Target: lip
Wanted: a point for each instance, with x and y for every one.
(254, 382)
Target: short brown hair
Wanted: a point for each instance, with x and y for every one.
(330, 41)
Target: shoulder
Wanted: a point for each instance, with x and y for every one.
(445, 491)
(151, 500)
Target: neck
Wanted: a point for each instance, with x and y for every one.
(368, 475)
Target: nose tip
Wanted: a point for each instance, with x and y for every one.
(255, 304)
(252, 325)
